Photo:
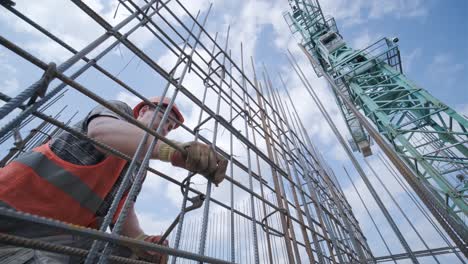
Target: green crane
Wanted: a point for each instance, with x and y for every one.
(427, 134)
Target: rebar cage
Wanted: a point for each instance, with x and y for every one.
(280, 202)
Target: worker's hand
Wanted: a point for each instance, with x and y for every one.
(201, 159)
(151, 256)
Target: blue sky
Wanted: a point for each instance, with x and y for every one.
(433, 41)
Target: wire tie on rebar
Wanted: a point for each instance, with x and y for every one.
(117, 8)
(17, 137)
(189, 61)
(112, 33)
(144, 20)
(206, 82)
(238, 114)
(41, 132)
(223, 70)
(7, 3)
(256, 113)
(214, 57)
(92, 62)
(272, 232)
(44, 82)
(197, 128)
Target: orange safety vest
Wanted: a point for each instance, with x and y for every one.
(41, 183)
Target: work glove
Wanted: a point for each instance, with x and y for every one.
(200, 158)
(151, 256)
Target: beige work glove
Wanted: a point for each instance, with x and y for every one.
(151, 256)
(200, 158)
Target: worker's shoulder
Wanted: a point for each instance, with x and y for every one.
(119, 105)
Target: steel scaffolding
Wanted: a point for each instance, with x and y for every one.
(283, 206)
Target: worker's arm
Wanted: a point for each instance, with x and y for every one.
(119, 135)
(131, 226)
(107, 127)
(125, 137)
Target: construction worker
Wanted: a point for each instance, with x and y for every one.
(72, 180)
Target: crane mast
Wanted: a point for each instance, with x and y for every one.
(428, 135)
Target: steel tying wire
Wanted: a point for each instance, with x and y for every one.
(37, 89)
(197, 202)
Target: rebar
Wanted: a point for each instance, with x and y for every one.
(285, 206)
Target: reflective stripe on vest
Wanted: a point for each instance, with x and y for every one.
(41, 183)
(62, 179)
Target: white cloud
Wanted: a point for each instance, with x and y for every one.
(361, 11)
(412, 8)
(364, 39)
(444, 64)
(248, 23)
(350, 13)
(409, 59)
(71, 25)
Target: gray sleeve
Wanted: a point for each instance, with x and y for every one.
(103, 111)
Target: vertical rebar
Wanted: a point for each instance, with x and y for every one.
(370, 215)
(184, 201)
(399, 208)
(348, 151)
(206, 208)
(285, 153)
(249, 165)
